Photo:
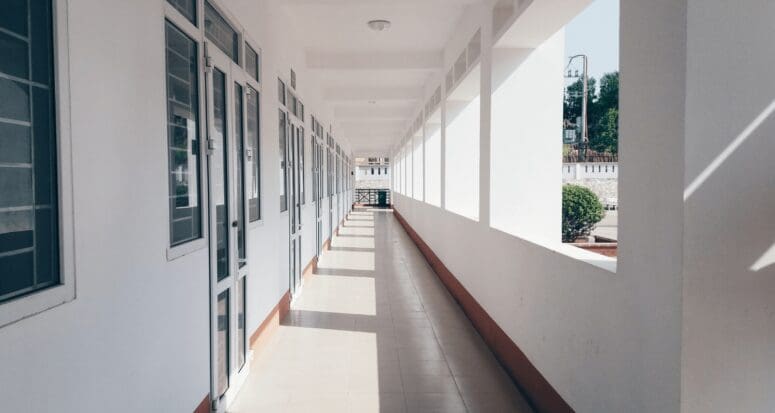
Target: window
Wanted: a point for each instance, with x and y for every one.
(281, 91)
(218, 30)
(462, 153)
(302, 155)
(187, 8)
(418, 183)
(433, 160)
(254, 156)
(29, 213)
(372, 171)
(283, 163)
(183, 137)
(252, 63)
(239, 138)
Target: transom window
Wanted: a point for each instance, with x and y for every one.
(220, 32)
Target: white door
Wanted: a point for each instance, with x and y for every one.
(226, 93)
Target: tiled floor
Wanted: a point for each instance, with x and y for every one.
(375, 331)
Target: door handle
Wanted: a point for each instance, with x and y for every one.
(234, 224)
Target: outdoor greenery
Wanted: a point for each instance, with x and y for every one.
(581, 211)
(602, 110)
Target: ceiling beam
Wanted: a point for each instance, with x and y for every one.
(376, 94)
(426, 61)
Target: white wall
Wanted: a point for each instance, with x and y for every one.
(607, 341)
(590, 170)
(136, 338)
(729, 279)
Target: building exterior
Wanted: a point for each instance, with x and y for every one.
(172, 172)
(372, 173)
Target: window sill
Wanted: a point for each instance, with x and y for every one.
(597, 260)
(178, 251)
(35, 303)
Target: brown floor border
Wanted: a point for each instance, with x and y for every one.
(539, 392)
(204, 406)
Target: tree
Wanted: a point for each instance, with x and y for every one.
(602, 123)
(608, 97)
(581, 211)
(606, 137)
(573, 99)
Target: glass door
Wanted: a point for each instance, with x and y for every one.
(227, 218)
(317, 160)
(293, 150)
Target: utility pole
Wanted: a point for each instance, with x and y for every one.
(585, 96)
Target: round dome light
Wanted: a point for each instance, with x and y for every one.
(379, 25)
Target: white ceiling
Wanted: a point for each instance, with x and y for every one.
(374, 80)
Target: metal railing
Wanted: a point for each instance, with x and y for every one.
(372, 197)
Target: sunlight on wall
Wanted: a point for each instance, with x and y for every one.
(462, 158)
(767, 259)
(526, 174)
(433, 164)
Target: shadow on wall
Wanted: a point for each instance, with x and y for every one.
(729, 277)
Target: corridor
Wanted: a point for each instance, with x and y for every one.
(374, 330)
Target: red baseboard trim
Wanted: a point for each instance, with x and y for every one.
(310, 268)
(271, 322)
(539, 392)
(204, 406)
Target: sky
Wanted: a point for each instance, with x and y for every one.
(595, 32)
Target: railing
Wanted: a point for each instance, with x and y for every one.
(372, 197)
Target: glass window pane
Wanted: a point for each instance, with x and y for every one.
(252, 65)
(15, 141)
(13, 56)
(41, 41)
(283, 161)
(46, 246)
(15, 102)
(238, 137)
(45, 145)
(187, 8)
(222, 342)
(241, 332)
(14, 16)
(15, 230)
(218, 30)
(17, 273)
(218, 170)
(254, 162)
(15, 186)
(183, 137)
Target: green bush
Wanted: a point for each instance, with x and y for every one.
(581, 210)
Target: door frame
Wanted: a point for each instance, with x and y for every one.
(236, 374)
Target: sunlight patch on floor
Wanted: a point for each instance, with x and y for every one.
(323, 294)
(347, 260)
(353, 242)
(356, 231)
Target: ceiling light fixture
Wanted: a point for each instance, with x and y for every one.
(379, 25)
